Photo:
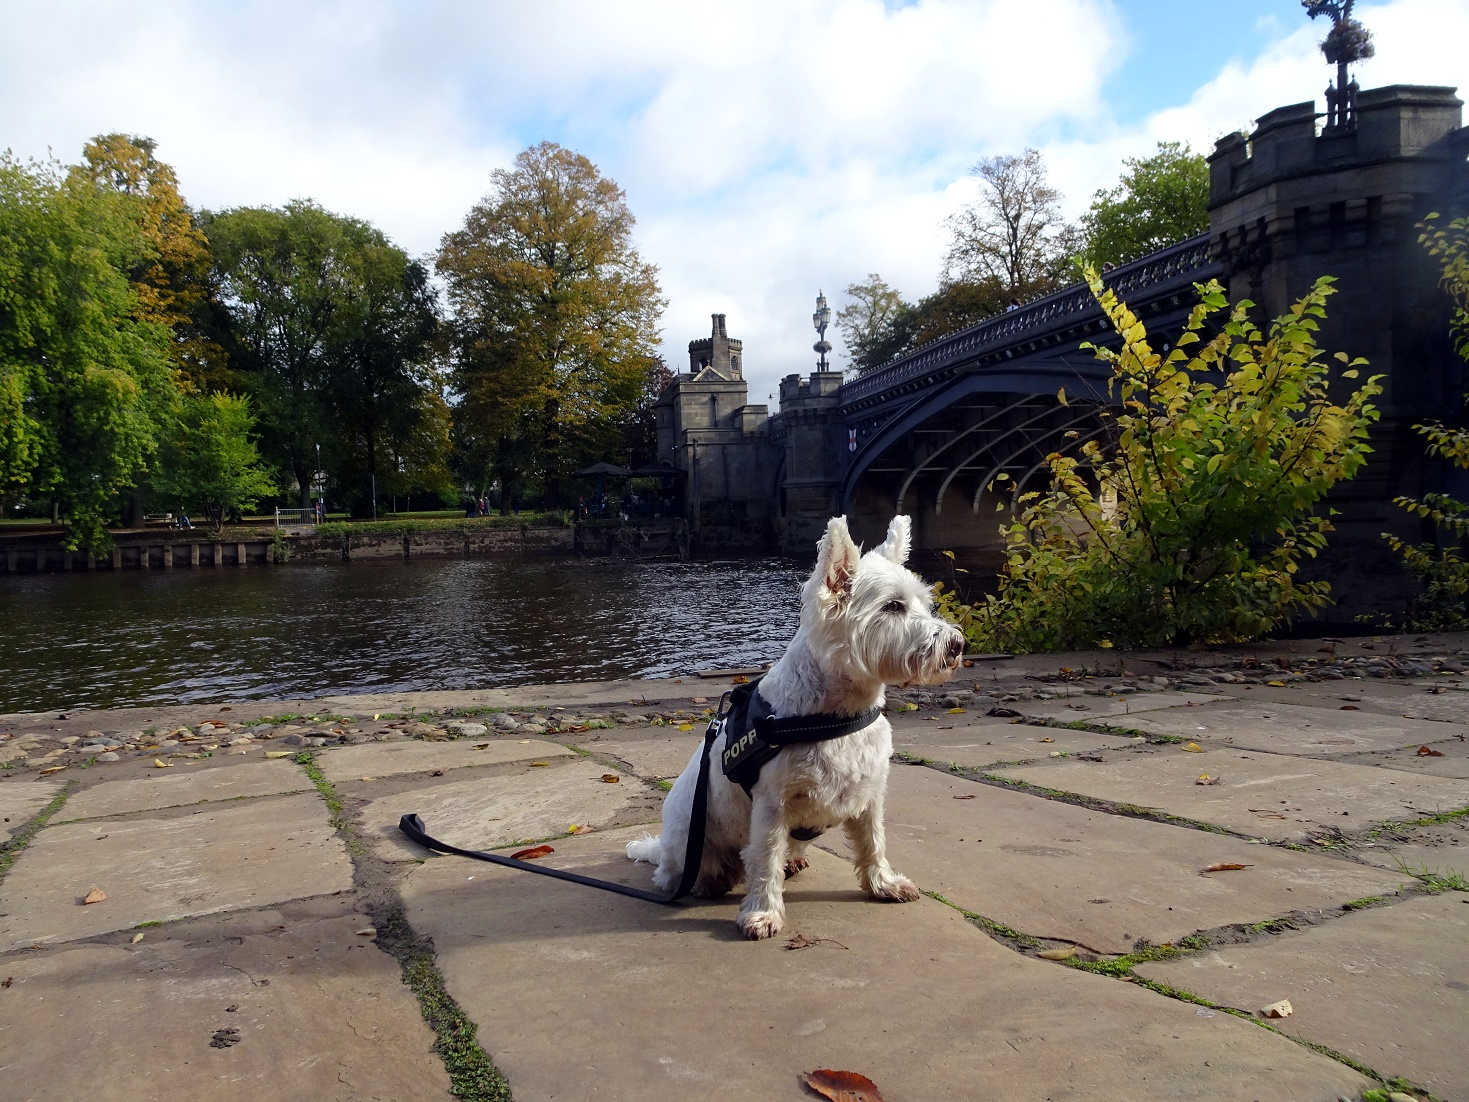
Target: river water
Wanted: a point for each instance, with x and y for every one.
(186, 636)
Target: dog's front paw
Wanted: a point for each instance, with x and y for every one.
(893, 888)
(757, 925)
(795, 865)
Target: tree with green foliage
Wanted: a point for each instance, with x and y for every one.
(865, 320)
(171, 281)
(85, 378)
(1159, 200)
(1191, 524)
(954, 306)
(1442, 565)
(210, 460)
(331, 327)
(555, 316)
(1013, 233)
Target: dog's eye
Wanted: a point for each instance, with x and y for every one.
(895, 608)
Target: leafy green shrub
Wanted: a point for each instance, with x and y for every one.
(1442, 603)
(1191, 522)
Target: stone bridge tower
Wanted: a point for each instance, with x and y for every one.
(1292, 201)
(719, 442)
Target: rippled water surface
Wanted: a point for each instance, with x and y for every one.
(98, 640)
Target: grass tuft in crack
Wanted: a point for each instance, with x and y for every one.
(22, 837)
(472, 1074)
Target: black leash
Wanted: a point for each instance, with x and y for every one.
(413, 827)
(741, 765)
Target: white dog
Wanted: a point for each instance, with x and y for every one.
(866, 620)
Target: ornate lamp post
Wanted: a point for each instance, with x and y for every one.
(1346, 42)
(821, 319)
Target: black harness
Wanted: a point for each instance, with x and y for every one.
(754, 735)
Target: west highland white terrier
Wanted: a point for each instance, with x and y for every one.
(866, 621)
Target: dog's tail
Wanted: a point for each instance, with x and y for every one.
(648, 848)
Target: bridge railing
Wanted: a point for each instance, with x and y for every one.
(1166, 266)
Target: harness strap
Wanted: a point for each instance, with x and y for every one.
(412, 826)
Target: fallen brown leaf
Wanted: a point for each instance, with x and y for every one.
(1350, 708)
(96, 895)
(841, 1086)
(1048, 738)
(1226, 866)
(1204, 778)
(611, 778)
(739, 679)
(531, 854)
(1429, 752)
(1065, 953)
(1194, 748)
(965, 796)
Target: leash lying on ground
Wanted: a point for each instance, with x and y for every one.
(756, 736)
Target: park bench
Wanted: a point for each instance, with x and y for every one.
(158, 520)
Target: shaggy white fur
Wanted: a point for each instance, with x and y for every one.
(866, 621)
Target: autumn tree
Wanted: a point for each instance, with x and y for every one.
(554, 315)
(1013, 232)
(865, 321)
(639, 424)
(170, 280)
(1160, 200)
(85, 380)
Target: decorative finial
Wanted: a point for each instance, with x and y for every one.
(1346, 42)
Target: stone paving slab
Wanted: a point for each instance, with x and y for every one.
(504, 810)
(620, 999)
(982, 742)
(385, 759)
(1415, 699)
(1388, 986)
(184, 785)
(1290, 728)
(320, 1012)
(1056, 870)
(1262, 795)
(20, 800)
(659, 754)
(219, 858)
(1449, 759)
(1088, 705)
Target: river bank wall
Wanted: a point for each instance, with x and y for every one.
(169, 549)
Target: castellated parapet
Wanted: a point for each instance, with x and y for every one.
(1292, 202)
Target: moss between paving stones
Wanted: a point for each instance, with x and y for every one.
(22, 837)
(472, 1074)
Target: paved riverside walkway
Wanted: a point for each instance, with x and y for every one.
(1204, 833)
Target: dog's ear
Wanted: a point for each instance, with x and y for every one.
(900, 539)
(836, 561)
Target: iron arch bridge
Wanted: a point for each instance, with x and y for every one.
(933, 429)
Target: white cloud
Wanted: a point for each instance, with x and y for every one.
(768, 149)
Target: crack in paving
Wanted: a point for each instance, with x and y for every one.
(21, 838)
(472, 1073)
(1121, 968)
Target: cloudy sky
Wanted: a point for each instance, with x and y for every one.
(768, 148)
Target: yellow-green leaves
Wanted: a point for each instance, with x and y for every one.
(1189, 524)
